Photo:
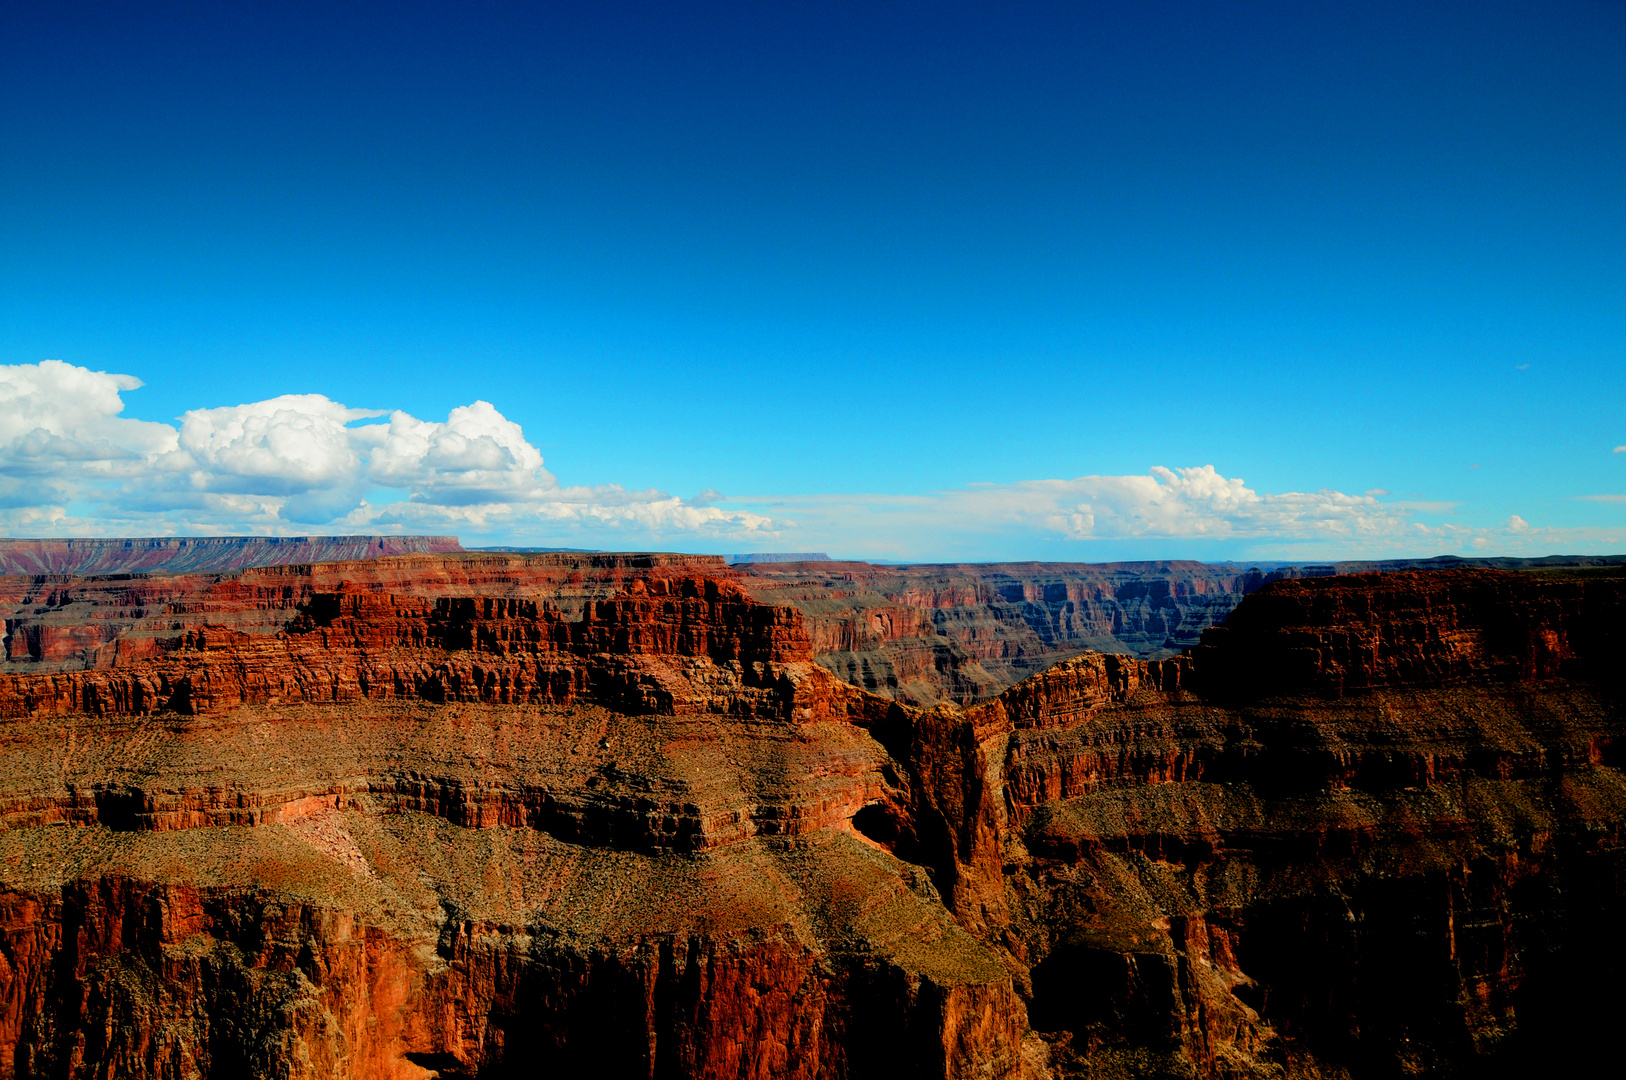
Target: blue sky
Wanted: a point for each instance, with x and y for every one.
(906, 281)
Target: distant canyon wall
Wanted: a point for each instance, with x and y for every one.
(918, 634)
(200, 554)
(964, 632)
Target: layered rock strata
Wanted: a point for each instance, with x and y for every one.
(927, 633)
(57, 622)
(1373, 827)
(384, 825)
(916, 634)
(963, 633)
(501, 815)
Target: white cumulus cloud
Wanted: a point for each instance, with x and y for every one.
(284, 445)
(69, 462)
(478, 455)
(1185, 512)
(1197, 503)
(72, 464)
(55, 415)
(60, 428)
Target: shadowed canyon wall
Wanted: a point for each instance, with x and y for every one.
(497, 815)
(964, 632)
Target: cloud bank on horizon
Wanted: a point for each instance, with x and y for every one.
(71, 464)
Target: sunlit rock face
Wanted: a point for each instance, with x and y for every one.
(501, 815)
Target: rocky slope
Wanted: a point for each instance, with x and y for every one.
(492, 815)
(201, 554)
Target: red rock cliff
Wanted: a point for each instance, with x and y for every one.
(371, 820)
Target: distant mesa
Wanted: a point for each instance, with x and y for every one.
(202, 554)
(504, 549)
(1453, 562)
(776, 556)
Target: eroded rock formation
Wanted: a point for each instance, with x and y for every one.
(494, 815)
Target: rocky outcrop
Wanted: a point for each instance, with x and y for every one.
(916, 634)
(491, 815)
(56, 622)
(201, 554)
(1373, 827)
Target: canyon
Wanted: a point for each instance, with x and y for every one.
(916, 633)
(440, 813)
(925, 633)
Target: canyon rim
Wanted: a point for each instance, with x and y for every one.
(429, 812)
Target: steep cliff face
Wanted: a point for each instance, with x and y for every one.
(57, 622)
(1372, 828)
(353, 645)
(506, 815)
(1339, 634)
(1377, 840)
